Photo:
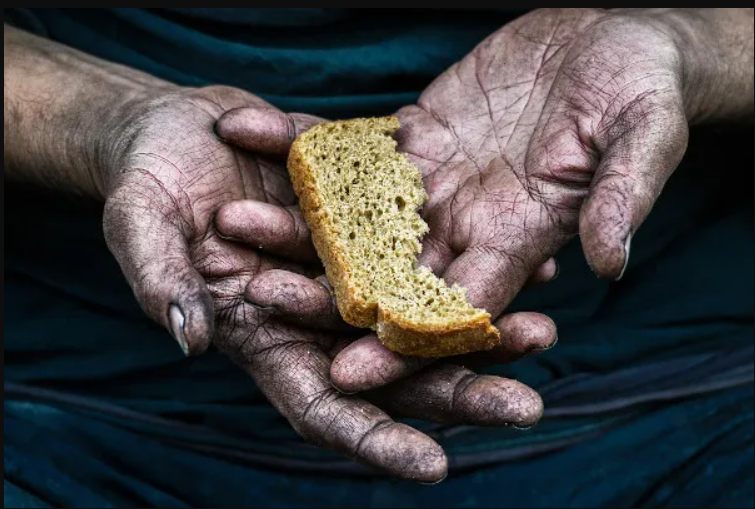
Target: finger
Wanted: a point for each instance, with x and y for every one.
(296, 299)
(521, 334)
(452, 394)
(292, 371)
(280, 231)
(640, 150)
(545, 273)
(502, 233)
(491, 275)
(143, 233)
(614, 148)
(264, 130)
(436, 253)
(367, 364)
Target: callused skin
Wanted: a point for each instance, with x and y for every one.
(562, 122)
(565, 121)
(149, 150)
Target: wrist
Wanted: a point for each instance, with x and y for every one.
(64, 113)
(116, 133)
(700, 70)
(715, 48)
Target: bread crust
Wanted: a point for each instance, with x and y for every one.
(398, 334)
(436, 341)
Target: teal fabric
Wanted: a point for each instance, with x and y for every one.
(695, 453)
(72, 326)
(330, 62)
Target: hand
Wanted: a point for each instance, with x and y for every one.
(300, 300)
(170, 177)
(563, 122)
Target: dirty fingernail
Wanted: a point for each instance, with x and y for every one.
(435, 483)
(627, 249)
(538, 350)
(338, 389)
(177, 322)
(229, 238)
(323, 280)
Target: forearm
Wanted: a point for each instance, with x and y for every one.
(717, 49)
(60, 109)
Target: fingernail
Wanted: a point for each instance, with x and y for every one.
(538, 350)
(558, 270)
(177, 322)
(228, 237)
(435, 483)
(522, 428)
(627, 249)
(338, 389)
(323, 280)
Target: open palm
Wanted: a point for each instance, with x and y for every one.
(171, 182)
(562, 117)
(564, 121)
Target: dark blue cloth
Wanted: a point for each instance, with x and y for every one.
(649, 390)
(693, 453)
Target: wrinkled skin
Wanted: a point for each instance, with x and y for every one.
(514, 133)
(563, 122)
(171, 176)
(300, 300)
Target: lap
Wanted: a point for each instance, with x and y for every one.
(696, 452)
(16, 497)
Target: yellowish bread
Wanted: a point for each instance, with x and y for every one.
(360, 197)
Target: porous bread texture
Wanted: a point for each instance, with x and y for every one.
(360, 197)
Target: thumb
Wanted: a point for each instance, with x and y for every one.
(150, 245)
(639, 152)
(503, 238)
(280, 231)
(264, 130)
(492, 275)
(436, 253)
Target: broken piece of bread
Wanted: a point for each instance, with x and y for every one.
(360, 197)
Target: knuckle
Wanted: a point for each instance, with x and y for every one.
(321, 412)
(460, 399)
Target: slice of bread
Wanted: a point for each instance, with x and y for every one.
(360, 197)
